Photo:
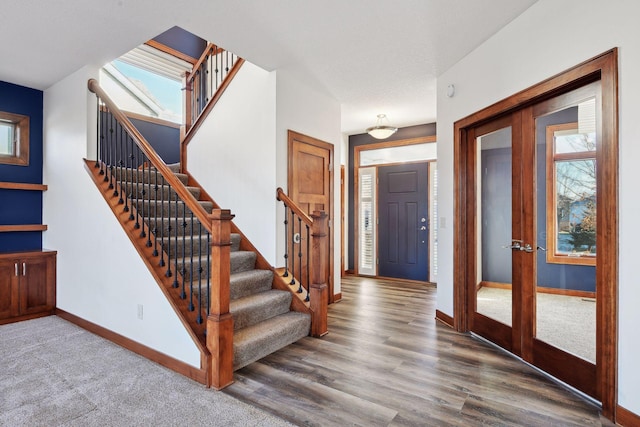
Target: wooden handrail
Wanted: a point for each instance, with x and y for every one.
(191, 131)
(203, 57)
(184, 194)
(281, 196)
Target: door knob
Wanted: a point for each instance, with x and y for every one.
(423, 219)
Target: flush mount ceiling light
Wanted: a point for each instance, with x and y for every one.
(380, 131)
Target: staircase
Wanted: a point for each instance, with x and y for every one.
(262, 319)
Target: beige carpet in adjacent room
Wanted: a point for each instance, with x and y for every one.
(566, 322)
(53, 373)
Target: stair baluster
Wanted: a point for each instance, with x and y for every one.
(154, 230)
(123, 173)
(308, 264)
(286, 246)
(121, 162)
(293, 260)
(299, 243)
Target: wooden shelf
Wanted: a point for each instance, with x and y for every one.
(23, 227)
(22, 186)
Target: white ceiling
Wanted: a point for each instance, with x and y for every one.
(373, 56)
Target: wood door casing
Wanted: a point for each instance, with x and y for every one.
(310, 185)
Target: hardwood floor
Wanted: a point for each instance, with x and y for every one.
(387, 362)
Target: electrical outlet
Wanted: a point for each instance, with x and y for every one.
(140, 312)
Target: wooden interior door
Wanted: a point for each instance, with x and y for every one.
(495, 261)
(310, 185)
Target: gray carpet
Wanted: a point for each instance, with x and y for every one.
(53, 373)
(568, 323)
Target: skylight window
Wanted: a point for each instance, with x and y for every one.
(148, 82)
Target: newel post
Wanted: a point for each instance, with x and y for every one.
(220, 322)
(319, 293)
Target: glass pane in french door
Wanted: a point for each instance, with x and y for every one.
(494, 275)
(566, 229)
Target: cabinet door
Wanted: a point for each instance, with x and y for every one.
(36, 294)
(8, 289)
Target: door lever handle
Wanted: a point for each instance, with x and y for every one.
(423, 228)
(515, 244)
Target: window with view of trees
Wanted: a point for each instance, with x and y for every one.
(571, 195)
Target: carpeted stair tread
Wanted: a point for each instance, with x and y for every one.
(162, 227)
(241, 261)
(167, 208)
(253, 309)
(255, 342)
(145, 175)
(249, 282)
(174, 167)
(163, 192)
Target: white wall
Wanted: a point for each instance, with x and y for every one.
(100, 276)
(309, 111)
(233, 156)
(548, 38)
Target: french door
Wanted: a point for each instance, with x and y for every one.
(536, 243)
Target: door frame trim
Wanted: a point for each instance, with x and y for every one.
(356, 189)
(603, 67)
(291, 136)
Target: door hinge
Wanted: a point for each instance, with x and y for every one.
(330, 223)
(330, 167)
(377, 261)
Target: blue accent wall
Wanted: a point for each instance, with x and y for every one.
(19, 206)
(164, 139)
(182, 41)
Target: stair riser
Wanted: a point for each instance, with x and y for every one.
(168, 209)
(274, 306)
(238, 264)
(186, 246)
(168, 228)
(164, 192)
(242, 286)
(146, 176)
(242, 262)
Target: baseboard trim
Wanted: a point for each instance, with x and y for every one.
(168, 362)
(26, 317)
(337, 297)
(626, 418)
(540, 289)
(444, 318)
